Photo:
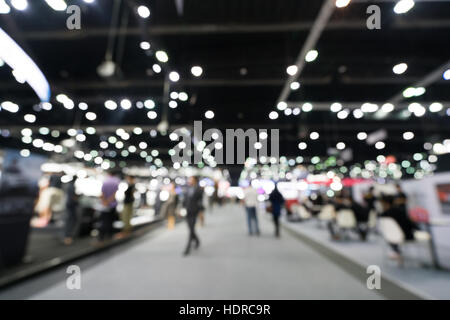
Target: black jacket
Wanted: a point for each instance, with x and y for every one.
(193, 200)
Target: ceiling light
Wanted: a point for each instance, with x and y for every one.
(362, 136)
(4, 9)
(282, 105)
(436, 107)
(197, 71)
(302, 146)
(358, 114)
(311, 55)
(91, 116)
(380, 145)
(125, 104)
(369, 107)
(296, 111)
(162, 56)
(183, 96)
(31, 118)
(174, 95)
(314, 135)
(336, 107)
(152, 115)
(273, 115)
(295, 85)
(57, 5)
(288, 111)
(209, 114)
(10, 106)
(307, 107)
(156, 68)
(111, 105)
(403, 6)
(145, 45)
(409, 92)
(292, 70)
(343, 114)
(173, 104)
(149, 104)
(342, 3)
(340, 146)
(446, 75)
(83, 106)
(25, 153)
(419, 91)
(387, 107)
(400, 68)
(20, 4)
(174, 76)
(408, 135)
(143, 11)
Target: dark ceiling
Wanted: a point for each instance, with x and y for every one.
(224, 37)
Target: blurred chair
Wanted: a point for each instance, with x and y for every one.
(346, 221)
(301, 212)
(393, 234)
(326, 214)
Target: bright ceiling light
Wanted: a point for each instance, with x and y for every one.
(156, 68)
(183, 96)
(343, 114)
(358, 114)
(302, 146)
(292, 70)
(314, 135)
(162, 56)
(10, 106)
(143, 12)
(307, 107)
(419, 91)
(295, 85)
(403, 6)
(145, 45)
(83, 106)
(409, 92)
(20, 4)
(149, 104)
(91, 116)
(152, 115)
(174, 76)
(408, 135)
(400, 68)
(4, 9)
(296, 111)
(380, 145)
(111, 105)
(288, 111)
(209, 114)
(125, 104)
(30, 118)
(436, 107)
(174, 95)
(342, 3)
(446, 75)
(57, 5)
(369, 107)
(21, 63)
(311, 55)
(197, 71)
(273, 115)
(387, 107)
(340, 146)
(336, 107)
(173, 104)
(282, 105)
(362, 136)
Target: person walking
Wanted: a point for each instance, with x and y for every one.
(169, 207)
(276, 199)
(127, 212)
(71, 213)
(251, 202)
(193, 205)
(108, 199)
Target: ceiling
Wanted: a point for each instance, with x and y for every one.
(244, 48)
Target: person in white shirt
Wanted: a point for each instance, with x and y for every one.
(250, 202)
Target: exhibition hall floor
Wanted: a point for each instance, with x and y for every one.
(229, 265)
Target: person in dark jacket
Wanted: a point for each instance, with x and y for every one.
(71, 213)
(193, 205)
(276, 199)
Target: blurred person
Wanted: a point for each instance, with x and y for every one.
(128, 203)
(71, 216)
(276, 199)
(108, 199)
(400, 199)
(193, 205)
(370, 198)
(392, 210)
(251, 202)
(51, 198)
(170, 206)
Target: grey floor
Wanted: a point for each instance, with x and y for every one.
(229, 265)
